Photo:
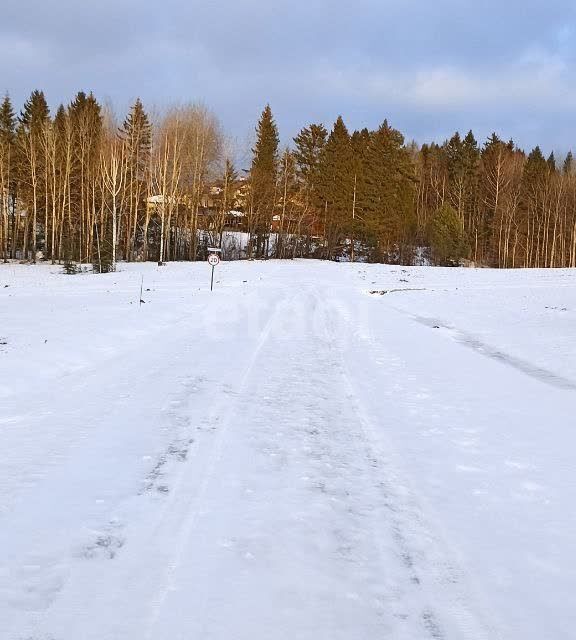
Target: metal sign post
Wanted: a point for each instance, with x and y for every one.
(213, 261)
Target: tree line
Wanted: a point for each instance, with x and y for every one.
(79, 187)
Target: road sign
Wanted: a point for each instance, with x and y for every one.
(213, 260)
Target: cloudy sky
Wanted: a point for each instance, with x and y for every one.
(430, 67)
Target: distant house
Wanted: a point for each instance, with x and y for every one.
(234, 218)
(155, 201)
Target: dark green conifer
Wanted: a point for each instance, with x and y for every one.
(35, 113)
(7, 121)
(447, 239)
(310, 143)
(336, 187)
(86, 129)
(31, 164)
(263, 182)
(8, 158)
(387, 194)
(136, 134)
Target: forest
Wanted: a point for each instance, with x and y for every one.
(79, 186)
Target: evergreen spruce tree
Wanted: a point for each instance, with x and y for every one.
(263, 183)
(536, 167)
(287, 186)
(60, 235)
(535, 177)
(228, 183)
(447, 239)
(568, 166)
(33, 119)
(355, 227)
(7, 121)
(309, 145)
(136, 133)
(456, 167)
(336, 188)
(430, 165)
(35, 113)
(453, 149)
(462, 159)
(471, 155)
(387, 195)
(86, 127)
(8, 175)
(229, 175)
(495, 159)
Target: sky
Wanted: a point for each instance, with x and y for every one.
(429, 67)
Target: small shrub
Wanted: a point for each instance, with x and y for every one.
(71, 268)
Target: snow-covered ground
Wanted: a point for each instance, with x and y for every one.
(289, 457)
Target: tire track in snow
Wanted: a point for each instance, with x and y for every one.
(445, 605)
(471, 341)
(194, 511)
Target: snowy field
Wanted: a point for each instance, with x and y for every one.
(289, 457)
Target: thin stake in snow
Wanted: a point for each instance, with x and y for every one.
(141, 288)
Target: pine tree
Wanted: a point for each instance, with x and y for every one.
(287, 189)
(355, 227)
(35, 113)
(8, 176)
(228, 182)
(62, 162)
(462, 156)
(536, 167)
(33, 120)
(535, 180)
(431, 168)
(568, 166)
(136, 133)
(86, 126)
(309, 144)
(447, 239)
(471, 155)
(263, 182)
(7, 121)
(456, 166)
(387, 194)
(496, 172)
(336, 188)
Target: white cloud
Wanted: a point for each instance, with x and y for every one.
(535, 79)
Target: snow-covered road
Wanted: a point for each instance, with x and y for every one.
(289, 457)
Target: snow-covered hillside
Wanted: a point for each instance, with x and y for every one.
(289, 457)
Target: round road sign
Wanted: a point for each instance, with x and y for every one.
(213, 259)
